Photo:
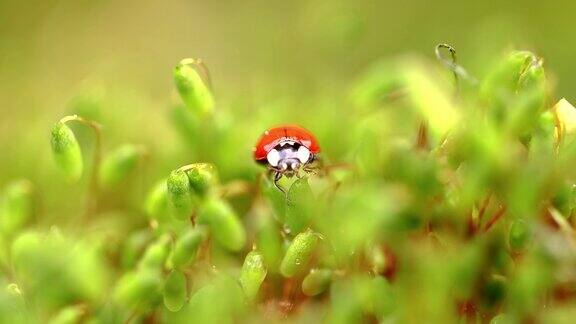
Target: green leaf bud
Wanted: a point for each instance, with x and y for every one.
(220, 301)
(175, 291)
(194, 92)
(156, 203)
(298, 253)
(186, 247)
(133, 247)
(269, 242)
(16, 206)
(316, 282)
(155, 255)
(546, 134)
(252, 274)
(67, 152)
(516, 90)
(300, 205)
(137, 288)
(203, 177)
(25, 248)
(532, 92)
(180, 200)
(224, 224)
(119, 164)
(503, 79)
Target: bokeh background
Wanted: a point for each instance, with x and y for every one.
(263, 55)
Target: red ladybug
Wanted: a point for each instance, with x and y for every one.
(285, 149)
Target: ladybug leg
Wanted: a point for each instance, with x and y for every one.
(310, 169)
(315, 167)
(277, 177)
(305, 171)
(299, 174)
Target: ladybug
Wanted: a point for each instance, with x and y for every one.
(286, 149)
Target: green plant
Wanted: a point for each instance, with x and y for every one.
(442, 198)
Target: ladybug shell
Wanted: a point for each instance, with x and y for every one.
(275, 135)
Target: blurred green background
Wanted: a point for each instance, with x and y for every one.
(259, 52)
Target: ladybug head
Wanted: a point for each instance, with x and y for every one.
(288, 156)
